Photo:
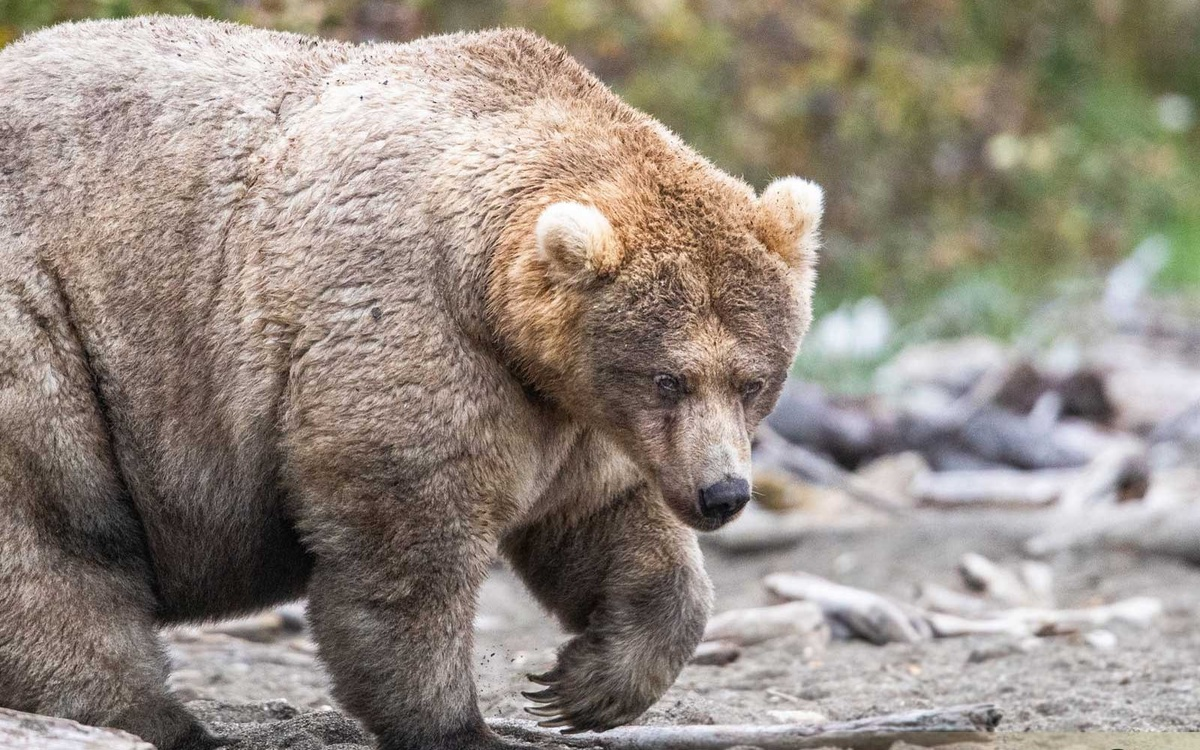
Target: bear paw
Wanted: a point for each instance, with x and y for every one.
(592, 688)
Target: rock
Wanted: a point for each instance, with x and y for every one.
(22, 731)
(1101, 640)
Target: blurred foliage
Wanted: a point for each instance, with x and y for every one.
(973, 151)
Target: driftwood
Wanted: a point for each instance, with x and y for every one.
(993, 425)
(880, 620)
(1173, 531)
(926, 728)
(1181, 428)
(998, 588)
(773, 450)
(862, 613)
(993, 488)
(1118, 473)
(746, 627)
(1000, 437)
(1031, 585)
(22, 731)
(1022, 622)
(848, 431)
(934, 597)
(1080, 394)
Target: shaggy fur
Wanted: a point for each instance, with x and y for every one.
(281, 316)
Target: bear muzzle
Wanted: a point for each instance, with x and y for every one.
(721, 501)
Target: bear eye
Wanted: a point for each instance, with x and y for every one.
(668, 385)
(752, 389)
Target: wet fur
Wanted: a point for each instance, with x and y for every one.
(272, 322)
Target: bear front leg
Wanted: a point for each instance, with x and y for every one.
(392, 607)
(628, 580)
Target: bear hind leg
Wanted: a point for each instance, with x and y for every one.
(77, 632)
(77, 602)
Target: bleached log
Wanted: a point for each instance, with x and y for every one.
(868, 615)
(953, 626)
(773, 450)
(928, 728)
(850, 432)
(937, 598)
(880, 620)
(1117, 473)
(991, 487)
(1003, 585)
(746, 627)
(1164, 530)
(22, 731)
(1038, 578)
(1139, 611)
(1180, 428)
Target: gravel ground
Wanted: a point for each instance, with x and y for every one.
(1147, 682)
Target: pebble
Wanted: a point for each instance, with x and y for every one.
(1104, 640)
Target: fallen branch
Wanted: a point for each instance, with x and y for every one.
(937, 598)
(1171, 531)
(928, 728)
(867, 615)
(1118, 473)
(880, 620)
(974, 488)
(746, 627)
(1031, 586)
(774, 450)
(849, 431)
(995, 436)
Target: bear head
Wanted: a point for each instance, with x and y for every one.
(665, 313)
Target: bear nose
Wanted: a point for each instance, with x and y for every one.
(724, 498)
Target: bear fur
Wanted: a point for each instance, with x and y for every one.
(285, 317)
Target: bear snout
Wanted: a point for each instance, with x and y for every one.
(722, 501)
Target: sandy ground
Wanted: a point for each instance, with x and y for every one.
(1148, 681)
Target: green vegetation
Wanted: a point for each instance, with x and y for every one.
(974, 152)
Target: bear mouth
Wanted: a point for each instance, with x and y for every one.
(693, 518)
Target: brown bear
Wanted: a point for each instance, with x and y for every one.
(285, 317)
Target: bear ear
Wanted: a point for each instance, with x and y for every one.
(577, 242)
(789, 219)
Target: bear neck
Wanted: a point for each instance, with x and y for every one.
(537, 320)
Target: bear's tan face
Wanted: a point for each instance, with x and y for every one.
(686, 361)
(681, 333)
